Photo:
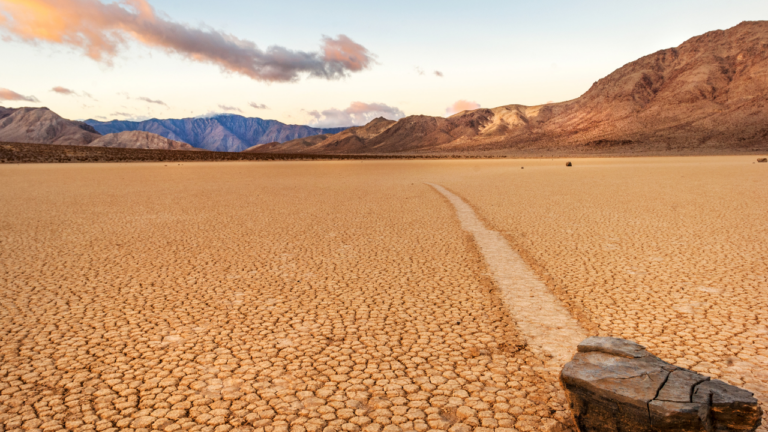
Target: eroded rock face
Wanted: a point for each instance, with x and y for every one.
(616, 385)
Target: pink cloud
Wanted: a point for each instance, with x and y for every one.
(100, 30)
(345, 53)
(461, 105)
(10, 95)
(357, 114)
(63, 90)
(152, 101)
(230, 108)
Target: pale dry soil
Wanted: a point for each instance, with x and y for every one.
(296, 296)
(543, 321)
(346, 296)
(669, 252)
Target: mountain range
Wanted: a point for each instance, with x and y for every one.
(710, 94)
(218, 133)
(224, 132)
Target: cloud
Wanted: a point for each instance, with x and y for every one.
(461, 105)
(344, 53)
(10, 95)
(421, 72)
(152, 101)
(130, 117)
(357, 114)
(100, 30)
(63, 90)
(258, 106)
(69, 92)
(230, 108)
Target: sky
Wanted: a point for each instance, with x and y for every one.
(331, 63)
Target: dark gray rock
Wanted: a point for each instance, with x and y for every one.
(568, 164)
(729, 405)
(679, 386)
(614, 346)
(676, 416)
(616, 385)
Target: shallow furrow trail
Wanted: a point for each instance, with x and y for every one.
(539, 315)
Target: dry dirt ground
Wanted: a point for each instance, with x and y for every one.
(344, 295)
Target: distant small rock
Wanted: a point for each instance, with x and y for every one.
(568, 164)
(763, 160)
(616, 385)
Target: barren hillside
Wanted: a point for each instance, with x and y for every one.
(708, 94)
(43, 126)
(140, 140)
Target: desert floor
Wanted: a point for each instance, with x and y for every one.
(344, 295)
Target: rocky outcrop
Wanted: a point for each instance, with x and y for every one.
(43, 126)
(616, 385)
(140, 140)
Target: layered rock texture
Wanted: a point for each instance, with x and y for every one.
(43, 126)
(709, 94)
(219, 133)
(140, 140)
(616, 385)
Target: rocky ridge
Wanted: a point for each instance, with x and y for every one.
(224, 132)
(709, 93)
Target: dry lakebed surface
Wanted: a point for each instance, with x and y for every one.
(368, 295)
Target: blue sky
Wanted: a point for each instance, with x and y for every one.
(492, 53)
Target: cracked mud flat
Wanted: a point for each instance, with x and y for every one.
(544, 323)
(669, 252)
(252, 296)
(346, 296)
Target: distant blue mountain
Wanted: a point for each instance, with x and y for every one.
(226, 132)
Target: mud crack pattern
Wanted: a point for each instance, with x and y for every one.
(669, 252)
(544, 322)
(297, 296)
